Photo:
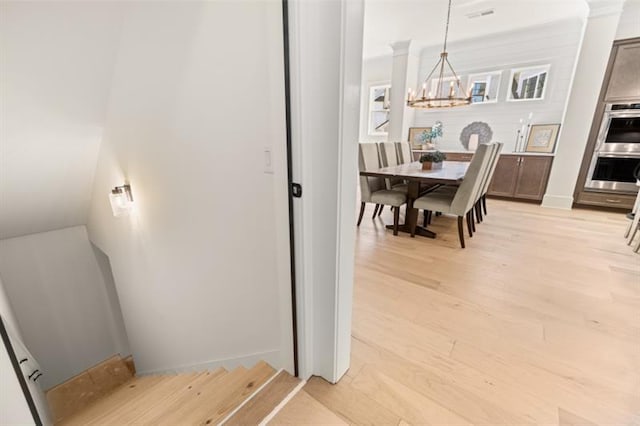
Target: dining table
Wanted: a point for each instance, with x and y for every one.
(419, 180)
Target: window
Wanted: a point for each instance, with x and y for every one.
(528, 83)
(379, 101)
(484, 87)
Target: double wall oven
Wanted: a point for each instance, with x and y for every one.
(616, 158)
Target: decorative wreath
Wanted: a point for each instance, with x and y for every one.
(479, 128)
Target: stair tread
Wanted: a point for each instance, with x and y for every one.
(84, 389)
(195, 404)
(171, 402)
(124, 393)
(259, 407)
(213, 406)
(194, 398)
(136, 406)
(255, 378)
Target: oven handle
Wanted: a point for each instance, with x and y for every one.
(613, 155)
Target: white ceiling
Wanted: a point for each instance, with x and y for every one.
(56, 67)
(423, 21)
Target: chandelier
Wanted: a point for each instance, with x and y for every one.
(446, 95)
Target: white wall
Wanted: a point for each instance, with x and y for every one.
(13, 405)
(202, 265)
(629, 25)
(14, 409)
(55, 73)
(61, 302)
(555, 43)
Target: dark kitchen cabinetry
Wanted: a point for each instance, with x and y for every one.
(602, 163)
(521, 177)
(624, 78)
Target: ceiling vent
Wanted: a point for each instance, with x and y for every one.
(481, 13)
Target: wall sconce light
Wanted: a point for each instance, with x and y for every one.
(121, 200)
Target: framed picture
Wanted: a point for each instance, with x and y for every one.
(528, 84)
(484, 87)
(542, 138)
(379, 100)
(416, 135)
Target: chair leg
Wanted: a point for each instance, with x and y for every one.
(396, 220)
(362, 206)
(484, 204)
(426, 218)
(469, 221)
(380, 209)
(461, 231)
(478, 212)
(375, 211)
(430, 217)
(473, 221)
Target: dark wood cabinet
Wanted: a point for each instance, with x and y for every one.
(521, 176)
(505, 176)
(624, 77)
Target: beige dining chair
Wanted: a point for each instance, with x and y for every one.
(494, 156)
(464, 199)
(403, 149)
(389, 157)
(634, 226)
(373, 189)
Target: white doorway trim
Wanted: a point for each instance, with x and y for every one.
(325, 40)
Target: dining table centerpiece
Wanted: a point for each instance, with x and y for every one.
(432, 160)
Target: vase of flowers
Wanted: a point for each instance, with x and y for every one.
(428, 137)
(432, 160)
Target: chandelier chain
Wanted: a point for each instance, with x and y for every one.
(446, 30)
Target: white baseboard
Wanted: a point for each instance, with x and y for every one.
(272, 357)
(557, 202)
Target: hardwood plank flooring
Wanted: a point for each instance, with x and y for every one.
(537, 321)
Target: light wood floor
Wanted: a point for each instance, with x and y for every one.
(537, 321)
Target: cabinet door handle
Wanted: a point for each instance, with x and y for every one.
(612, 201)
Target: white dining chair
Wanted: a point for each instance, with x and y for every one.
(634, 226)
(373, 189)
(494, 156)
(403, 150)
(389, 156)
(465, 197)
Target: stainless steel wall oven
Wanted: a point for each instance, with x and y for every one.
(617, 152)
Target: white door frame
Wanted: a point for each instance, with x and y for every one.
(325, 40)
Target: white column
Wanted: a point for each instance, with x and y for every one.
(599, 33)
(404, 75)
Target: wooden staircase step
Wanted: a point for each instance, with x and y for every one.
(232, 398)
(259, 407)
(119, 396)
(188, 408)
(137, 406)
(171, 402)
(80, 391)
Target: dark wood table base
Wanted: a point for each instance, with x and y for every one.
(420, 230)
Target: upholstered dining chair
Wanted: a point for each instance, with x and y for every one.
(403, 150)
(465, 197)
(494, 156)
(373, 189)
(481, 204)
(389, 157)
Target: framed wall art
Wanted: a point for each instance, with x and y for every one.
(542, 138)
